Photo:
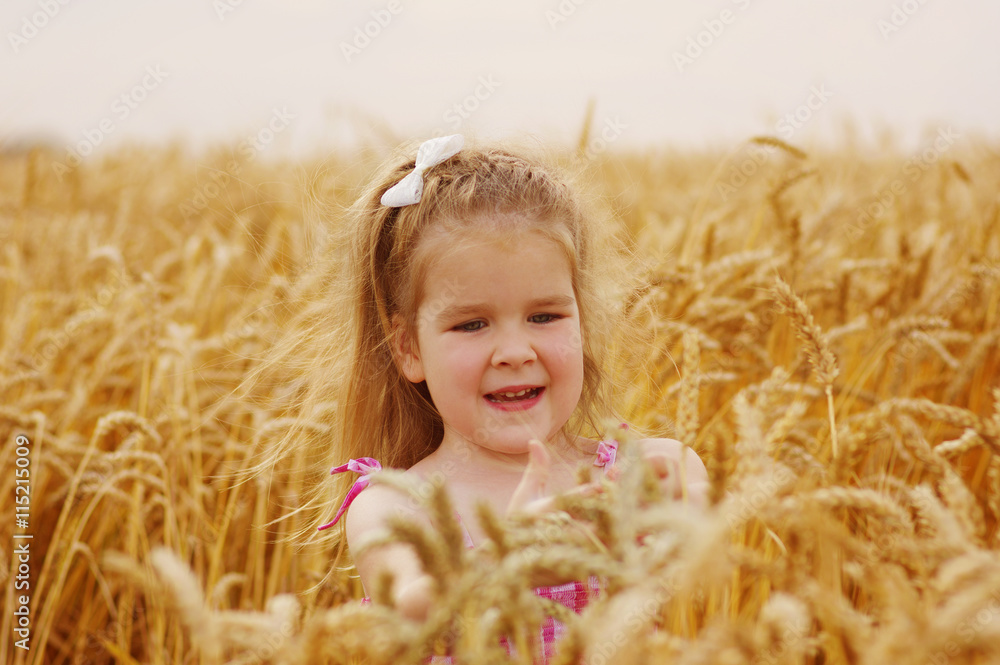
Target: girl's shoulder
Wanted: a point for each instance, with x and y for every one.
(373, 510)
(682, 473)
(671, 447)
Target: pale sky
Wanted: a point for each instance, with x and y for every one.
(304, 75)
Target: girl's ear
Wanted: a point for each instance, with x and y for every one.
(404, 347)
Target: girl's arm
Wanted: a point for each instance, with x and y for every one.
(367, 519)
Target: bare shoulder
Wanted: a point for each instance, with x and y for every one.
(677, 451)
(372, 511)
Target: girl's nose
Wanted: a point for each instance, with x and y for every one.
(513, 348)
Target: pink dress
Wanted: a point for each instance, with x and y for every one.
(573, 595)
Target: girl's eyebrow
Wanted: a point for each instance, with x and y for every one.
(458, 311)
(560, 300)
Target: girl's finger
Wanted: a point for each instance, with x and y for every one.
(536, 475)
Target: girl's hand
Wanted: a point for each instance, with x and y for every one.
(530, 497)
(681, 473)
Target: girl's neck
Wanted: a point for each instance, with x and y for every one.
(471, 461)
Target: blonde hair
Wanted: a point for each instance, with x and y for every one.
(353, 400)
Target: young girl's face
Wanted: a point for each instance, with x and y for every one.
(498, 341)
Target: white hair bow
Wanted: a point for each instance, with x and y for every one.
(431, 153)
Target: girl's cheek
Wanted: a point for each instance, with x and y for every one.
(569, 343)
(461, 356)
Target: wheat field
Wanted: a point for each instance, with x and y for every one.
(822, 330)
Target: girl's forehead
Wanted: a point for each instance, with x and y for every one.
(444, 242)
(447, 252)
(488, 268)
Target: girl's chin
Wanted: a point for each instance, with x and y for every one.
(508, 439)
(514, 442)
(509, 445)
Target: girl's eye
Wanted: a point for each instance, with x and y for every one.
(544, 318)
(471, 326)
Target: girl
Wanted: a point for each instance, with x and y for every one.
(480, 311)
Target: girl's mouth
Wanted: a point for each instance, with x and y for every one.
(522, 399)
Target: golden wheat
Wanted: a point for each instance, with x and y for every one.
(138, 293)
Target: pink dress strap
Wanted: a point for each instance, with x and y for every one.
(607, 452)
(363, 465)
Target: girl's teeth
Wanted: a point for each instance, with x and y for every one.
(505, 396)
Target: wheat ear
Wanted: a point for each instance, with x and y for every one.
(817, 347)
